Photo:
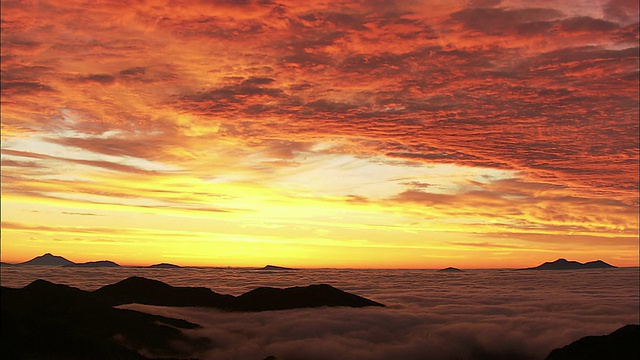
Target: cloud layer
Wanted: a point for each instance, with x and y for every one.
(475, 314)
(472, 315)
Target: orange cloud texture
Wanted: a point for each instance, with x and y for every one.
(321, 133)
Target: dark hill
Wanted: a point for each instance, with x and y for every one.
(267, 298)
(598, 264)
(153, 292)
(101, 263)
(44, 320)
(48, 260)
(450, 269)
(564, 264)
(274, 267)
(164, 266)
(50, 321)
(621, 344)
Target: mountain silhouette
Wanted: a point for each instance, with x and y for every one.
(274, 267)
(267, 298)
(52, 260)
(164, 266)
(51, 321)
(101, 263)
(44, 320)
(153, 292)
(48, 260)
(597, 264)
(564, 264)
(621, 344)
(450, 269)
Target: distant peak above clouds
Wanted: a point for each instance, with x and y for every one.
(164, 266)
(101, 263)
(564, 264)
(49, 260)
(274, 267)
(450, 269)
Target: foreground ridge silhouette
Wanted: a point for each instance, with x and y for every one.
(44, 320)
(621, 344)
(153, 292)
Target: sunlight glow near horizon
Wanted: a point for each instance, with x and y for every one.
(417, 135)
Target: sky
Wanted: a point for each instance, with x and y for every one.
(363, 134)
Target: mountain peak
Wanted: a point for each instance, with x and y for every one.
(564, 264)
(164, 265)
(154, 292)
(48, 259)
(100, 263)
(274, 267)
(268, 298)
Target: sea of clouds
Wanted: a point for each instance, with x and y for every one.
(476, 314)
(429, 315)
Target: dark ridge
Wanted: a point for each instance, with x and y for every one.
(44, 320)
(564, 264)
(51, 321)
(266, 298)
(2, 263)
(101, 263)
(153, 292)
(450, 269)
(48, 260)
(598, 264)
(274, 267)
(621, 344)
(164, 266)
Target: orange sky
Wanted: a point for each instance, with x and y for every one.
(371, 133)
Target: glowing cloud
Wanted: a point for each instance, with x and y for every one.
(419, 124)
